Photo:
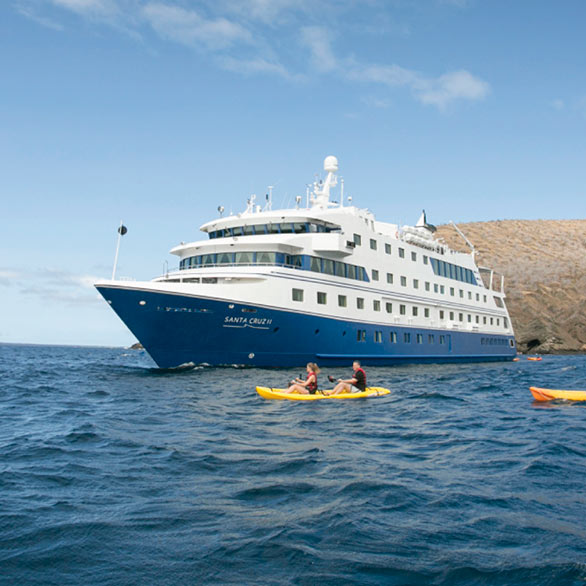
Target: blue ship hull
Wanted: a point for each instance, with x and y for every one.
(178, 329)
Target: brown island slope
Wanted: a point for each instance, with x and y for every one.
(544, 264)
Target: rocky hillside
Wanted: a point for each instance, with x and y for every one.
(544, 264)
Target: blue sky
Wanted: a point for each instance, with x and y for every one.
(158, 111)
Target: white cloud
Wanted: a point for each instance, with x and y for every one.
(53, 285)
(558, 104)
(188, 27)
(318, 40)
(235, 34)
(258, 65)
(456, 85)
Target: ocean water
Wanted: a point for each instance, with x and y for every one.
(113, 472)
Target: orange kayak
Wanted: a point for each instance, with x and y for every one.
(550, 394)
(534, 358)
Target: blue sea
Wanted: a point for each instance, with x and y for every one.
(114, 472)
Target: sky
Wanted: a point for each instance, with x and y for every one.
(156, 112)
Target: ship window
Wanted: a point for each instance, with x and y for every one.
(209, 280)
(431, 338)
(299, 227)
(390, 278)
(360, 302)
(435, 288)
(357, 239)
(484, 320)
(237, 231)
(420, 338)
(361, 335)
(511, 343)
(243, 258)
(469, 295)
(477, 319)
(460, 317)
(208, 260)
(339, 269)
(342, 300)
(376, 305)
(286, 228)
(403, 309)
(351, 271)
(403, 281)
(401, 253)
(415, 283)
(426, 312)
(461, 294)
(425, 259)
(505, 322)
(388, 248)
(266, 258)
(407, 338)
(373, 244)
(484, 298)
(498, 321)
(378, 337)
(491, 321)
(374, 275)
(442, 289)
(452, 291)
(477, 296)
(225, 258)
(415, 310)
(442, 339)
(498, 301)
(321, 297)
(297, 294)
(248, 230)
(413, 256)
(452, 315)
(328, 266)
(315, 265)
(393, 337)
(389, 307)
(427, 285)
(441, 314)
(273, 229)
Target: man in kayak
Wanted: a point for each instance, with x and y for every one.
(307, 386)
(356, 384)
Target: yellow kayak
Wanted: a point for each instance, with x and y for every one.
(268, 393)
(550, 394)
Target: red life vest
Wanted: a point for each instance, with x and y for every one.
(357, 381)
(312, 386)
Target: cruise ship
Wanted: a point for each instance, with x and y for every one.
(322, 282)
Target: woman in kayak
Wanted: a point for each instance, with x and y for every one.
(307, 386)
(356, 384)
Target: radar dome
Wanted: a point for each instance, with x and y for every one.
(331, 164)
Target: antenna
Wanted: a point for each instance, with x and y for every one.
(270, 197)
(221, 210)
(341, 193)
(121, 231)
(464, 237)
(297, 201)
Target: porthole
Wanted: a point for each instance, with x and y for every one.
(142, 302)
(251, 355)
(275, 330)
(316, 332)
(231, 306)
